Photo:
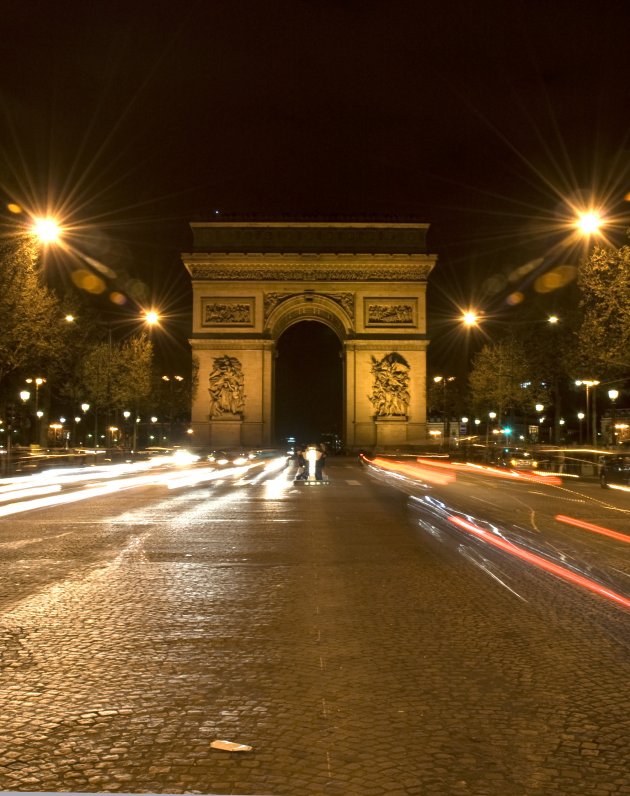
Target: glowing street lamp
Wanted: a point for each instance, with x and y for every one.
(588, 383)
(470, 318)
(446, 420)
(37, 381)
(492, 418)
(589, 222)
(151, 317)
(47, 230)
(613, 395)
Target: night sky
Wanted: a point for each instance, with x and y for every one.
(489, 120)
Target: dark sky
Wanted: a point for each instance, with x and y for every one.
(486, 119)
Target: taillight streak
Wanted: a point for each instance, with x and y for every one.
(540, 562)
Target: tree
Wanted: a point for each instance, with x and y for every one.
(604, 334)
(116, 376)
(131, 377)
(500, 379)
(33, 329)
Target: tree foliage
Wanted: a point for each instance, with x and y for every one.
(604, 335)
(500, 379)
(33, 329)
(116, 376)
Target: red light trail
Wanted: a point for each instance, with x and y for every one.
(540, 562)
(589, 526)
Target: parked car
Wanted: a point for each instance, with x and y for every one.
(615, 470)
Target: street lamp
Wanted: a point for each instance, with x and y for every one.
(37, 381)
(588, 383)
(77, 420)
(171, 381)
(539, 408)
(613, 395)
(491, 416)
(589, 222)
(126, 415)
(470, 318)
(46, 229)
(580, 416)
(443, 380)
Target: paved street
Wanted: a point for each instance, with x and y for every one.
(355, 652)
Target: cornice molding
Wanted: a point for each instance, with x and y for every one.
(378, 269)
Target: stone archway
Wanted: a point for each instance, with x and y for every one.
(365, 281)
(308, 383)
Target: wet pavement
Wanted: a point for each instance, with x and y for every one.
(352, 651)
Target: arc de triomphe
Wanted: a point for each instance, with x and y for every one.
(366, 281)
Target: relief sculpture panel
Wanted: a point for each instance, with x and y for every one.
(227, 312)
(390, 392)
(226, 388)
(392, 312)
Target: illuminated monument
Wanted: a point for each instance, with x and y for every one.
(365, 281)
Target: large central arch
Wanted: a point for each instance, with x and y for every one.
(366, 281)
(308, 384)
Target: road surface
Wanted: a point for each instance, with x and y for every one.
(354, 636)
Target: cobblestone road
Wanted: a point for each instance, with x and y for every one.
(314, 624)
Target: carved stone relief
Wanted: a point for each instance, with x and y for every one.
(226, 383)
(391, 312)
(390, 392)
(227, 312)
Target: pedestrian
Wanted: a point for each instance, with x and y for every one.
(302, 469)
(320, 459)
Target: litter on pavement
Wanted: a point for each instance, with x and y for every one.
(230, 746)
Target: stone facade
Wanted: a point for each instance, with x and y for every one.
(366, 281)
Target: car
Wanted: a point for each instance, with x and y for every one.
(615, 471)
(517, 459)
(221, 458)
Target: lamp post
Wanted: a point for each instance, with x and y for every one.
(588, 383)
(75, 433)
(37, 381)
(171, 381)
(580, 416)
(24, 395)
(491, 418)
(443, 380)
(613, 395)
(539, 408)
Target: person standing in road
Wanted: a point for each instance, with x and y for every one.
(320, 458)
(302, 468)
